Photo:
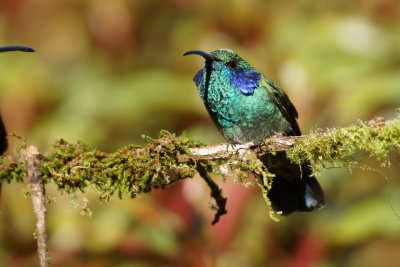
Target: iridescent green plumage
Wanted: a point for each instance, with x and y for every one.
(247, 106)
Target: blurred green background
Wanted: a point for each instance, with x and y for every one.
(106, 72)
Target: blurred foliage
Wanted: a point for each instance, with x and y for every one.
(106, 72)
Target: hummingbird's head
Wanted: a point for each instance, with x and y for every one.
(223, 56)
(230, 59)
(227, 66)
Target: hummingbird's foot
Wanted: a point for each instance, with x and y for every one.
(279, 135)
(231, 144)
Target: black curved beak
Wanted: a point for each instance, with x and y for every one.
(16, 48)
(205, 55)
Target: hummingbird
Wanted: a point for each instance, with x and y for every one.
(247, 106)
(3, 133)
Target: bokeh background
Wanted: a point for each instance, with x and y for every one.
(106, 72)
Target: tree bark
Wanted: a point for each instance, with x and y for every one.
(39, 203)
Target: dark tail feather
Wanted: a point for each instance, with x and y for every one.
(293, 187)
(301, 195)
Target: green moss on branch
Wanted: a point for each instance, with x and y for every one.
(343, 147)
(130, 171)
(135, 170)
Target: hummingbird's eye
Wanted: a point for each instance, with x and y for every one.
(232, 64)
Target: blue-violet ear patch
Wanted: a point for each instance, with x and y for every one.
(245, 80)
(198, 77)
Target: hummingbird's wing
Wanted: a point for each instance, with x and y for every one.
(282, 101)
(294, 188)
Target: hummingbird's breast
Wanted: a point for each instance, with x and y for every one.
(242, 117)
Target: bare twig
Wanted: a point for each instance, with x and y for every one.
(39, 205)
(216, 193)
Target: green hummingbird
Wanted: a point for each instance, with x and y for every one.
(247, 106)
(3, 133)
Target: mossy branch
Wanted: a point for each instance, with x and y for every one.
(136, 170)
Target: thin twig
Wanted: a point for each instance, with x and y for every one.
(39, 203)
(216, 193)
